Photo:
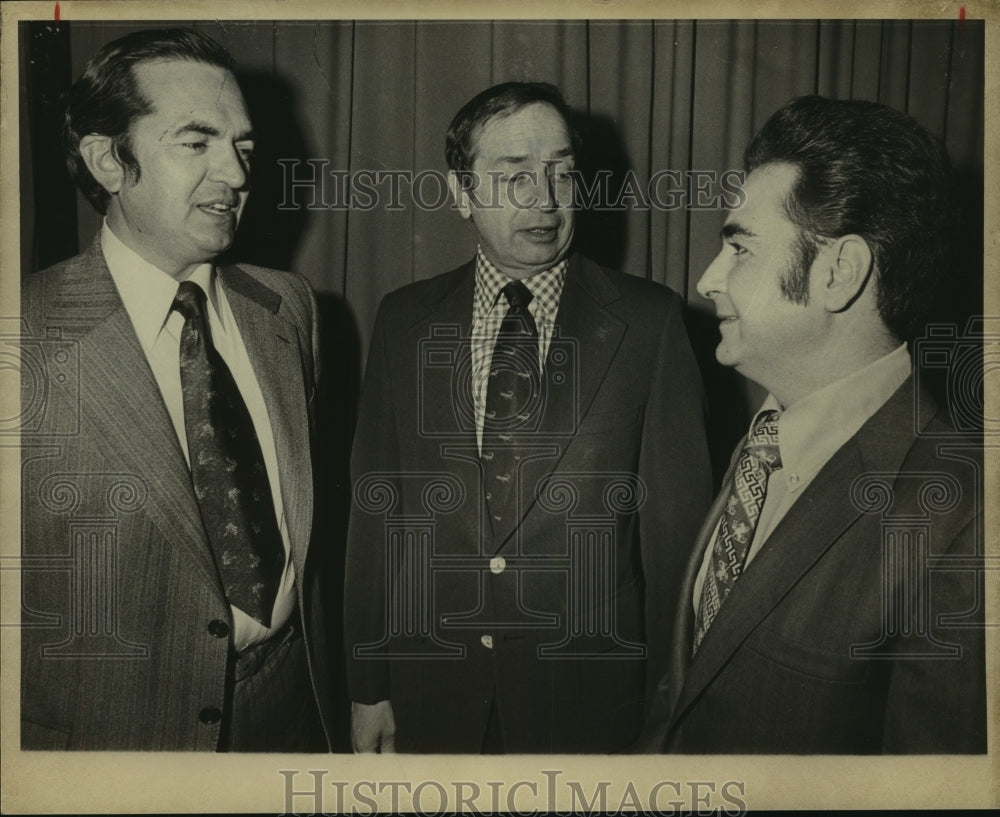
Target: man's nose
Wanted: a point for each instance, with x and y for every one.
(713, 279)
(230, 167)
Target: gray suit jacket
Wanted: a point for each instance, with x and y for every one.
(858, 628)
(122, 643)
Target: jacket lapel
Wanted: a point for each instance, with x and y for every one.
(273, 348)
(589, 334)
(441, 330)
(120, 396)
(796, 544)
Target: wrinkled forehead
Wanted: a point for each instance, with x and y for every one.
(514, 128)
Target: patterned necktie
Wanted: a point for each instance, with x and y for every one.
(513, 399)
(758, 460)
(227, 468)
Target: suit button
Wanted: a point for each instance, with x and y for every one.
(210, 715)
(487, 641)
(218, 628)
(497, 564)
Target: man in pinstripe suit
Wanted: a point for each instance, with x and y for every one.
(139, 632)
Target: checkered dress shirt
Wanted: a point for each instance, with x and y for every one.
(488, 312)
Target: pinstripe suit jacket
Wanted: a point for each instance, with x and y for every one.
(119, 584)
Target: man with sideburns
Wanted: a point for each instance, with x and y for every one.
(529, 469)
(169, 599)
(834, 600)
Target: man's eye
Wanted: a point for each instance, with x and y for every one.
(197, 147)
(738, 249)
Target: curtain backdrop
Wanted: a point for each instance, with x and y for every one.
(346, 97)
(378, 96)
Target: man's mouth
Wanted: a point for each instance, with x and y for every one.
(541, 232)
(217, 208)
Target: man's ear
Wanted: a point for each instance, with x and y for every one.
(848, 264)
(102, 162)
(459, 195)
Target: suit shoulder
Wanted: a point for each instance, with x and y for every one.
(293, 287)
(33, 284)
(281, 281)
(632, 287)
(65, 291)
(642, 300)
(428, 289)
(645, 289)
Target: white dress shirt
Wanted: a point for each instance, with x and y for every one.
(810, 432)
(148, 293)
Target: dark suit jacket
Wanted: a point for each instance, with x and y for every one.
(122, 643)
(621, 479)
(877, 556)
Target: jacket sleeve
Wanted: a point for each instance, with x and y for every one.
(674, 465)
(936, 703)
(375, 452)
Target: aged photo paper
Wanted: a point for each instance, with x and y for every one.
(110, 782)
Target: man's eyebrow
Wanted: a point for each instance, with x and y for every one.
(562, 153)
(204, 129)
(735, 228)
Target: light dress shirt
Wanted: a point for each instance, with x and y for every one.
(148, 293)
(810, 432)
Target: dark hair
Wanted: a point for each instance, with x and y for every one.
(106, 100)
(501, 100)
(870, 170)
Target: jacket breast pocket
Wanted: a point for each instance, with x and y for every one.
(823, 665)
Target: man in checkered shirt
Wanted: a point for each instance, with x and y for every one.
(530, 467)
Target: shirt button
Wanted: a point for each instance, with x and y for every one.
(487, 641)
(497, 564)
(793, 480)
(210, 715)
(218, 628)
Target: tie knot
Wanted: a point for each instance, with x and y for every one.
(517, 294)
(190, 300)
(763, 440)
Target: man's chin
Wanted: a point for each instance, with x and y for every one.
(726, 356)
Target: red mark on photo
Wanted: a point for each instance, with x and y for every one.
(57, 11)
(961, 19)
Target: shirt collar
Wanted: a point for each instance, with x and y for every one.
(545, 287)
(811, 430)
(147, 291)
